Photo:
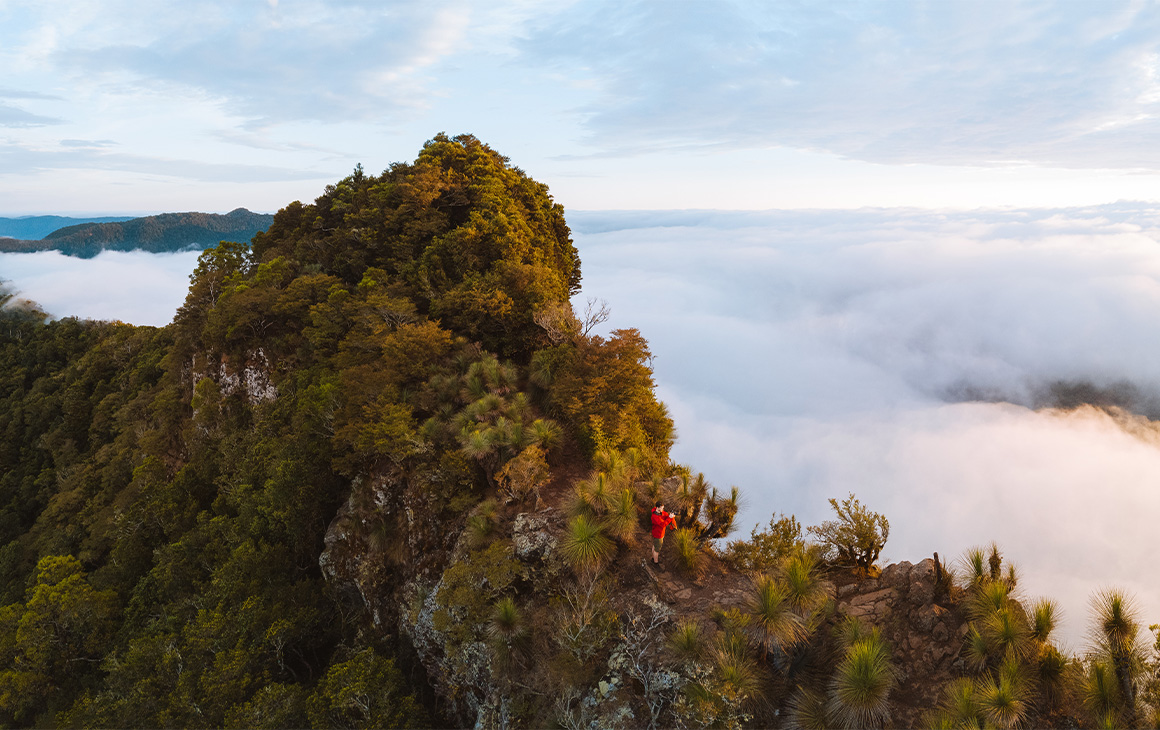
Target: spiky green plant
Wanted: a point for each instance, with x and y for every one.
(506, 620)
(622, 520)
(804, 586)
(1101, 695)
(960, 705)
(994, 562)
(861, 685)
(1044, 615)
(807, 711)
(721, 512)
(987, 599)
(585, 547)
(975, 566)
(520, 407)
(850, 631)
(776, 623)
(545, 433)
(685, 641)
(609, 461)
(482, 523)
(1050, 669)
(1003, 697)
(1116, 637)
(655, 489)
(688, 551)
(1012, 577)
(597, 492)
(515, 436)
(633, 463)
(733, 664)
(976, 650)
(1006, 630)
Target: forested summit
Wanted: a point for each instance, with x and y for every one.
(165, 492)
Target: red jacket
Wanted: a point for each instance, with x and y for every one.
(660, 522)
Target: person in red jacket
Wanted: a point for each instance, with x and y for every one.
(660, 521)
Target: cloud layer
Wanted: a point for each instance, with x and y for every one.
(908, 357)
(136, 287)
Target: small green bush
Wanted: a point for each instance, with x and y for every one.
(856, 537)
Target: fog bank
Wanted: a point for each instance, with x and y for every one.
(912, 358)
(133, 287)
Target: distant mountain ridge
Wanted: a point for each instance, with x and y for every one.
(36, 227)
(162, 233)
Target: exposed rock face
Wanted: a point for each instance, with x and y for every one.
(252, 379)
(926, 637)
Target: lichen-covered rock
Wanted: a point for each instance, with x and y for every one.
(532, 538)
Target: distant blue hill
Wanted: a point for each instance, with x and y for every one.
(163, 233)
(35, 227)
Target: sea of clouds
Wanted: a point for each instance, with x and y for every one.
(913, 358)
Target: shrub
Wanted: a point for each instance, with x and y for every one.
(766, 549)
(856, 537)
(524, 475)
(622, 520)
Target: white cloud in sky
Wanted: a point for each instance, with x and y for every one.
(1068, 85)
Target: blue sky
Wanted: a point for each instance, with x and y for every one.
(129, 106)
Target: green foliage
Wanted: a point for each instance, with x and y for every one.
(1118, 659)
(767, 548)
(468, 590)
(366, 691)
(856, 538)
(472, 241)
(604, 390)
(688, 551)
(622, 520)
(861, 685)
(187, 475)
(585, 547)
(686, 641)
(778, 626)
(48, 641)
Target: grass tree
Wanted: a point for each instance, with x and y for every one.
(622, 519)
(1002, 696)
(860, 689)
(585, 547)
(506, 631)
(1116, 644)
(776, 625)
(688, 551)
(686, 642)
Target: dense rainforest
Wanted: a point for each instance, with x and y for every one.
(378, 472)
